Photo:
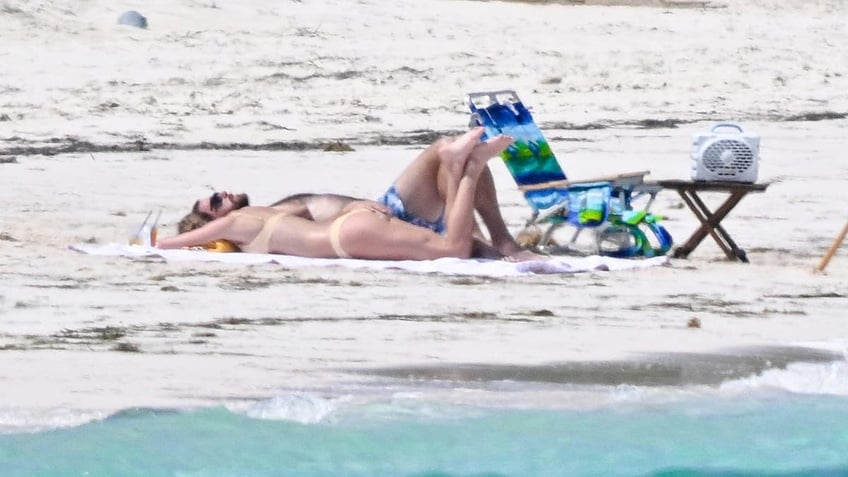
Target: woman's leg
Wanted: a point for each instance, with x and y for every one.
(380, 237)
(475, 165)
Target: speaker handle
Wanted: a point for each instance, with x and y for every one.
(726, 125)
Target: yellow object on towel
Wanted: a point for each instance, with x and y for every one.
(222, 246)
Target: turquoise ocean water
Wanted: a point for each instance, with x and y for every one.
(792, 423)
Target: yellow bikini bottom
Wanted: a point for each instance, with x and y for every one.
(336, 230)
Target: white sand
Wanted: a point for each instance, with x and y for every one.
(262, 71)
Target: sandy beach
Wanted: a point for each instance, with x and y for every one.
(101, 123)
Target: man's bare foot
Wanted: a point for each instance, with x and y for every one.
(512, 252)
(524, 256)
(486, 150)
(455, 153)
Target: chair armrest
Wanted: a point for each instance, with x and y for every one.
(617, 180)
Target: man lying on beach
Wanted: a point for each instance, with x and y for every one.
(417, 196)
(361, 230)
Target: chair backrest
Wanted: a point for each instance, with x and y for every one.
(531, 161)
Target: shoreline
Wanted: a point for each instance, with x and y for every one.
(124, 383)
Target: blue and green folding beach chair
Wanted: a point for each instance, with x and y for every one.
(602, 205)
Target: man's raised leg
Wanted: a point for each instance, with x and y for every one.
(423, 187)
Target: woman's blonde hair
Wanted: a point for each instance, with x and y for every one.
(193, 220)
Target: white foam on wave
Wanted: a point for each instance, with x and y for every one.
(820, 378)
(439, 399)
(802, 378)
(797, 378)
(19, 421)
(806, 379)
(442, 400)
(301, 407)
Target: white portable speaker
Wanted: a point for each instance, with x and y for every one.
(725, 153)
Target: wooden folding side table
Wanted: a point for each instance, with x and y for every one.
(711, 221)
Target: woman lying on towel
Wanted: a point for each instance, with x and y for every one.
(363, 230)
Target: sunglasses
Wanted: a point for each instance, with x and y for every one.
(216, 201)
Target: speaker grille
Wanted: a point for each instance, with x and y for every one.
(728, 157)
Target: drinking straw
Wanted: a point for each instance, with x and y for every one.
(155, 222)
(140, 227)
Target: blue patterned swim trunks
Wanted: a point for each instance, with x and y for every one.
(392, 200)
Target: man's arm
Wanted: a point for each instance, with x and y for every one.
(293, 207)
(302, 198)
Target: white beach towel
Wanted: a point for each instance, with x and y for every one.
(448, 266)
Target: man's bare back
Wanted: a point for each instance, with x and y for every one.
(317, 207)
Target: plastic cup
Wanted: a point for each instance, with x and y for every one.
(144, 236)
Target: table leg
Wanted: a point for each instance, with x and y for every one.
(711, 225)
